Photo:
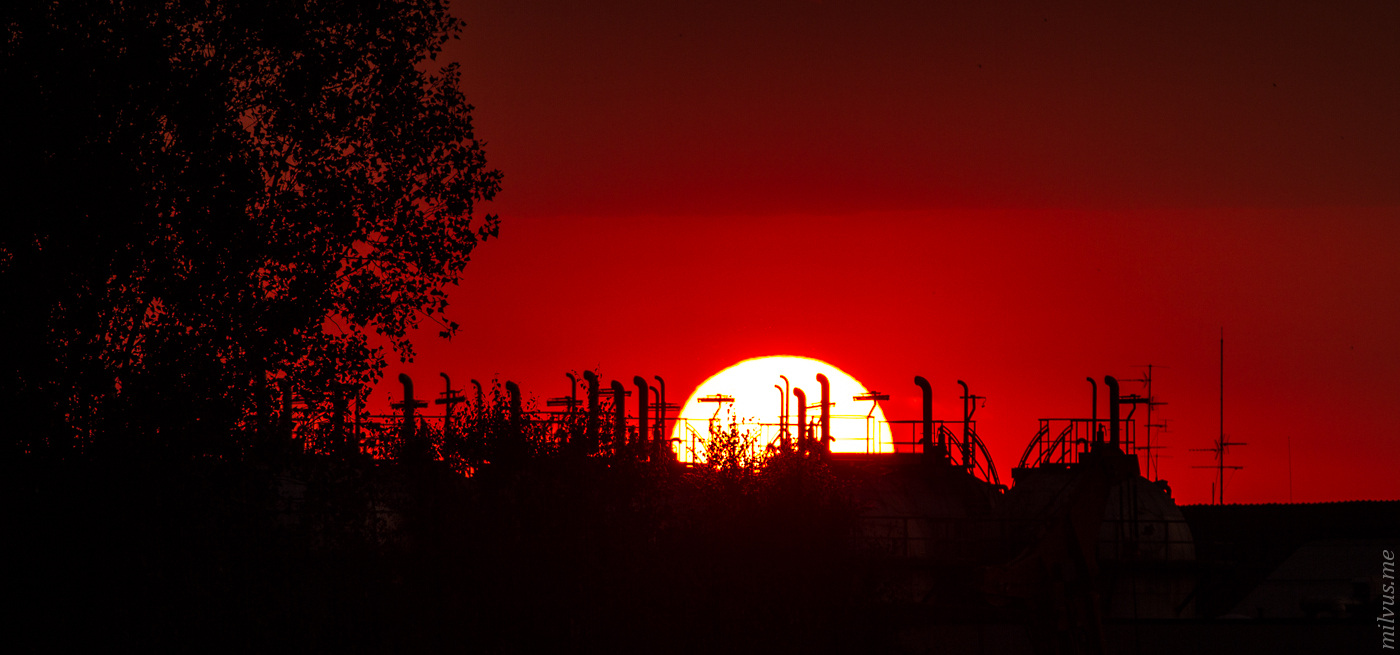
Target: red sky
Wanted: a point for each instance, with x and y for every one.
(1017, 195)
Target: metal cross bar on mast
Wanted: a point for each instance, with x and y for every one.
(874, 397)
(718, 399)
(570, 401)
(1132, 400)
(408, 432)
(969, 408)
(1221, 445)
(562, 401)
(450, 398)
(1151, 402)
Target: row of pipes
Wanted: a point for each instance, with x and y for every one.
(926, 441)
(652, 444)
(805, 442)
(646, 444)
(1115, 400)
(926, 438)
(940, 448)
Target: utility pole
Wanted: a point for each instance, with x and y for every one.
(408, 432)
(719, 400)
(570, 401)
(564, 428)
(874, 397)
(450, 398)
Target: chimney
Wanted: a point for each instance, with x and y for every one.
(643, 395)
(407, 431)
(967, 427)
(619, 418)
(665, 439)
(514, 390)
(826, 413)
(1094, 411)
(803, 443)
(590, 430)
(1112, 410)
(926, 439)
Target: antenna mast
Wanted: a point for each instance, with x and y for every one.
(1151, 402)
(1221, 445)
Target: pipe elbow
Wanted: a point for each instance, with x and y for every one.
(514, 390)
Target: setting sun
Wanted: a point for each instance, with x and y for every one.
(753, 392)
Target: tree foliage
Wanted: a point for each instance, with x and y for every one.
(216, 202)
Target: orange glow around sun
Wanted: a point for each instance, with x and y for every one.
(757, 389)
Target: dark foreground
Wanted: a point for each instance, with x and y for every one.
(555, 555)
(322, 556)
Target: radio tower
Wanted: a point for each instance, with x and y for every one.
(1221, 445)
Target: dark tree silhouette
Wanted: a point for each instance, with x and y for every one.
(213, 204)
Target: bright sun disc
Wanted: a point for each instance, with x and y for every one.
(756, 406)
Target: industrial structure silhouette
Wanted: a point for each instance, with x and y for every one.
(1082, 551)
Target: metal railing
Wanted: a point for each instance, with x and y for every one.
(1073, 437)
(377, 434)
(690, 434)
(960, 445)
